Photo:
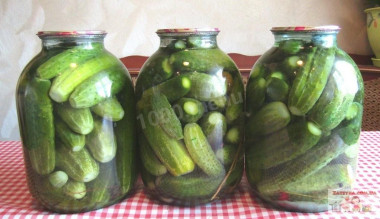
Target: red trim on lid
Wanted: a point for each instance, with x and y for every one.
(306, 28)
(188, 30)
(71, 33)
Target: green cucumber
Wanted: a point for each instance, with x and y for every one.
(79, 120)
(349, 130)
(102, 141)
(259, 70)
(353, 110)
(38, 133)
(125, 132)
(64, 84)
(304, 165)
(173, 89)
(150, 161)
(189, 186)
(201, 60)
(109, 109)
(291, 46)
(217, 104)
(291, 142)
(166, 117)
(99, 87)
(205, 87)
(58, 178)
(76, 190)
(70, 138)
(155, 70)
(214, 126)
(270, 118)
(256, 90)
(335, 100)
(310, 80)
(235, 106)
(201, 151)
(188, 110)
(78, 165)
(68, 59)
(171, 152)
(277, 89)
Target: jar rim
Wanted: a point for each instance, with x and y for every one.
(180, 31)
(326, 28)
(71, 33)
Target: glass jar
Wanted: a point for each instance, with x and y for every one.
(76, 110)
(304, 108)
(190, 116)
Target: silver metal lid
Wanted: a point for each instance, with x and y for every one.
(73, 33)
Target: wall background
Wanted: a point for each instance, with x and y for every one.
(131, 25)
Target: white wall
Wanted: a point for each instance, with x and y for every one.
(131, 25)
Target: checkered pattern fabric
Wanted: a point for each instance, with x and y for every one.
(16, 201)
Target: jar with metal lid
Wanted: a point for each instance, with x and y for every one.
(76, 110)
(190, 100)
(304, 108)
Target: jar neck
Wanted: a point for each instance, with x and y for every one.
(190, 40)
(324, 39)
(53, 42)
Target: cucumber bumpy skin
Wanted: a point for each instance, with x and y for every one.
(310, 80)
(214, 126)
(79, 165)
(79, 120)
(64, 84)
(73, 140)
(171, 152)
(67, 59)
(102, 141)
(38, 133)
(201, 151)
(205, 87)
(304, 165)
(99, 87)
(110, 109)
(150, 161)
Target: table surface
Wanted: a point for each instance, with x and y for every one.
(16, 201)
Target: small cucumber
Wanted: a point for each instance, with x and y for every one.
(214, 126)
(291, 46)
(38, 133)
(188, 110)
(310, 80)
(277, 89)
(68, 59)
(150, 161)
(79, 165)
(79, 120)
(271, 117)
(349, 130)
(125, 132)
(99, 87)
(58, 178)
(76, 190)
(190, 186)
(98, 189)
(109, 109)
(70, 138)
(335, 100)
(205, 87)
(201, 151)
(166, 117)
(256, 90)
(235, 106)
(102, 141)
(173, 89)
(171, 152)
(217, 104)
(234, 135)
(64, 84)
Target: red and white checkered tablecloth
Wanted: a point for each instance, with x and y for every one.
(16, 201)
